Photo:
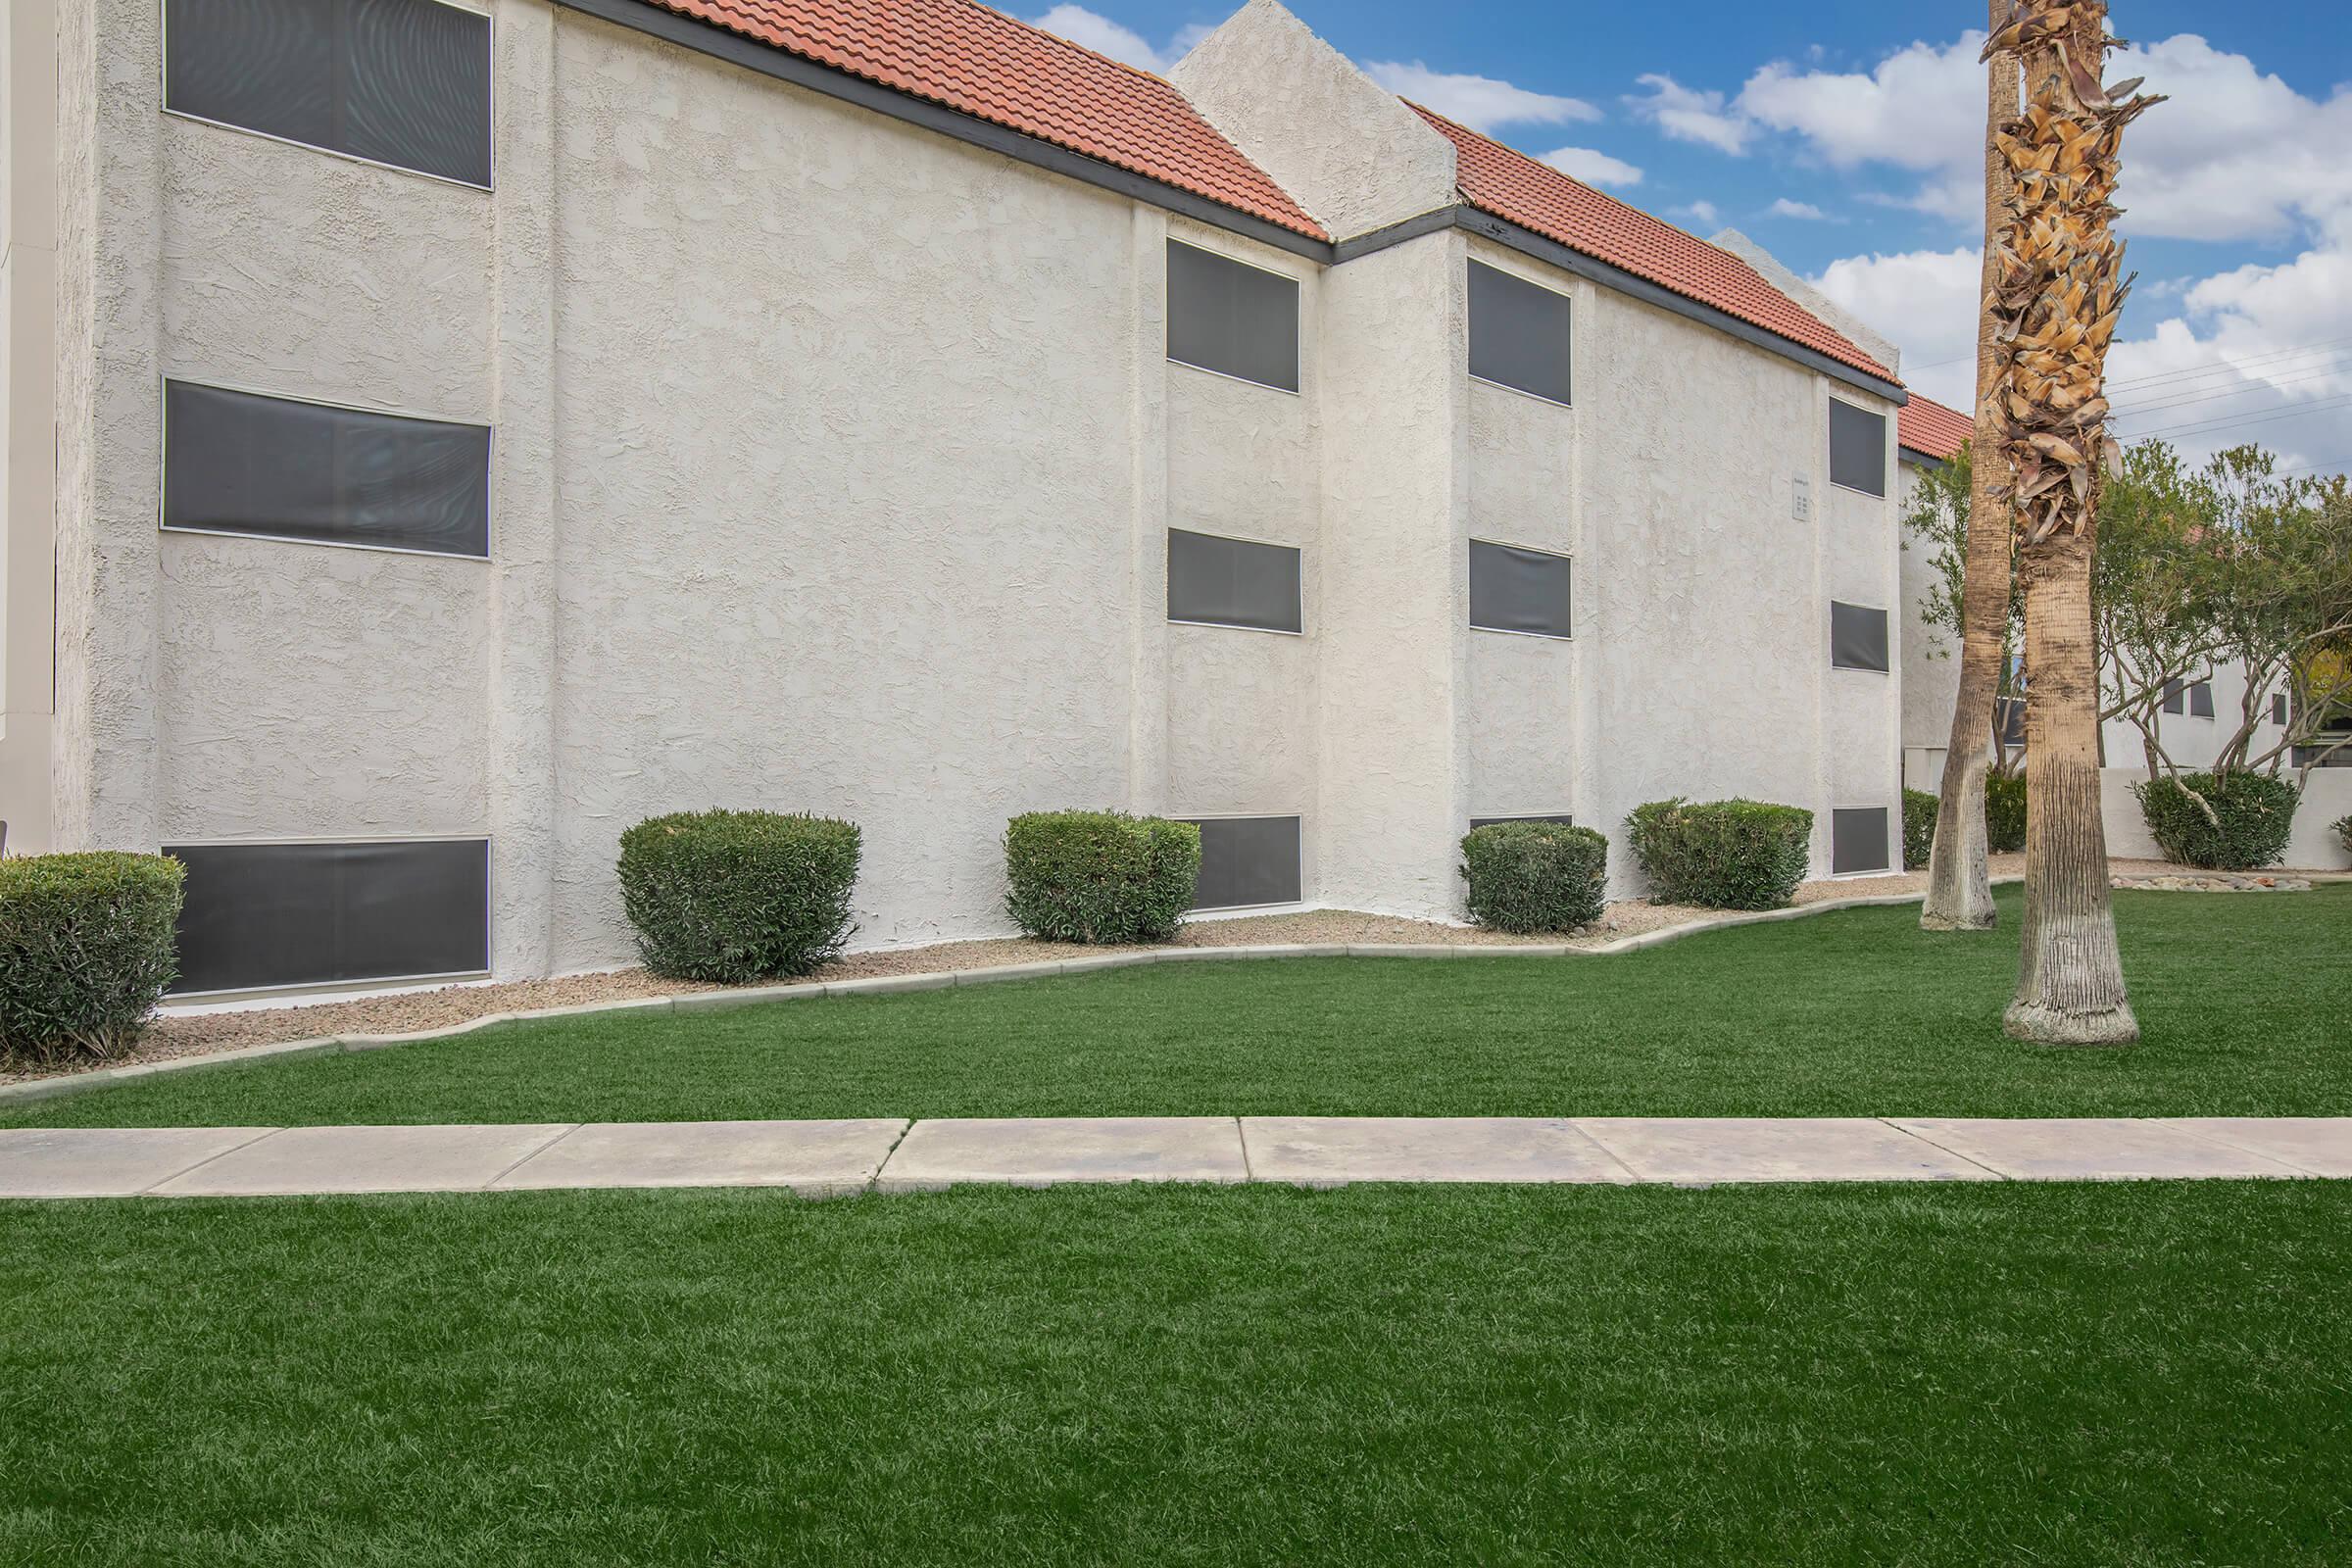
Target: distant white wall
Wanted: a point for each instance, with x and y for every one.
(2313, 847)
(27, 412)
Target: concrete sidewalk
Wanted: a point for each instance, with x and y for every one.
(886, 1155)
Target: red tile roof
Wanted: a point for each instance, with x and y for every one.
(1535, 196)
(986, 65)
(1924, 425)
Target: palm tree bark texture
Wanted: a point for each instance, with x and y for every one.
(2058, 294)
(1959, 882)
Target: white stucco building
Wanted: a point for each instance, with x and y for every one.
(604, 407)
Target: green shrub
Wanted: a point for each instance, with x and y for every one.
(1727, 855)
(1100, 876)
(86, 951)
(738, 895)
(2343, 833)
(1919, 828)
(2005, 812)
(1534, 876)
(2252, 816)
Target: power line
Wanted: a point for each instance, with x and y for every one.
(2331, 350)
(2207, 428)
(2324, 373)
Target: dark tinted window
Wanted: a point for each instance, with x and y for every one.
(1858, 838)
(2200, 699)
(2278, 708)
(284, 914)
(2175, 695)
(1857, 447)
(1247, 860)
(1518, 333)
(1857, 637)
(1518, 590)
(1232, 318)
(241, 463)
(1563, 819)
(404, 83)
(1232, 582)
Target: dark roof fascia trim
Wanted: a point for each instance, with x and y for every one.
(1528, 243)
(1373, 242)
(1919, 459)
(642, 15)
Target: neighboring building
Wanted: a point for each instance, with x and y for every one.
(589, 410)
(1928, 435)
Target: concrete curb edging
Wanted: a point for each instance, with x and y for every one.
(934, 980)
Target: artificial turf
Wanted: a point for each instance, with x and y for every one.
(1956, 1375)
(2242, 999)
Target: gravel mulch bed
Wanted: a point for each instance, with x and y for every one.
(201, 1034)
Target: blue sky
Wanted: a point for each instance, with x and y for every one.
(1845, 135)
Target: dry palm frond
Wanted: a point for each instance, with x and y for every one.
(2060, 288)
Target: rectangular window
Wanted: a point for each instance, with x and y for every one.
(1231, 317)
(242, 463)
(2279, 708)
(2174, 697)
(1857, 637)
(1518, 333)
(2010, 713)
(1857, 447)
(1247, 861)
(2200, 699)
(1563, 818)
(1512, 589)
(289, 914)
(1858, 838)
(404, 83)
(1232, 582)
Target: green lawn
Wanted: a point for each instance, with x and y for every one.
(2242, 999)
(1957, 1375)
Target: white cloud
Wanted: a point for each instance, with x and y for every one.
(1687, 114)
(1480, 102)
(1591, 167)
(2236, 154)
(1105, 36)
(1785, 208)
(2257, 354)
(1919, 105)
(1704, 213)
(1927, 302)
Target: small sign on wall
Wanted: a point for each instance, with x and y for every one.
(1800, 503)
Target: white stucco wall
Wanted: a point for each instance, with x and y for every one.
(1396, 578)
(1930, 658)
(1707, 598)
(834, 461)
(844, 533)
(27, 412)
(1347, 149)
(1525, 702)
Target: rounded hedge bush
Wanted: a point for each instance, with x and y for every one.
(1534, 876)
(738, 895)
(1725, 855)
(2005, 812)
(87, 949)
(2343, 833)
(1100, 876)
(2252, 816)
(1919, 828)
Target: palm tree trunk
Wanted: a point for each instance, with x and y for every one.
(1959, 882)
(2069, 988)
(2059, 294)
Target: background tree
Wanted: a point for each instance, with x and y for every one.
(1959, 882)
(1937, 518)
(2059, 294)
